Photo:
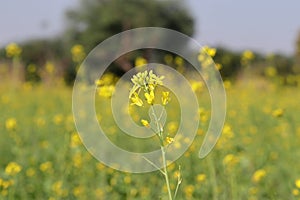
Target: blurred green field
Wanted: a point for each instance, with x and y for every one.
(257, 157)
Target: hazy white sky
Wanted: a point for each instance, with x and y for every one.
(265, 26)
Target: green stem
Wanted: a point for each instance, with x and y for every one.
(160, 134)
(214, 179)
(166, 172)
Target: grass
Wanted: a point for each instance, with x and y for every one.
(257, 156)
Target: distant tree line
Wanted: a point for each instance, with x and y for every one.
(95, 20)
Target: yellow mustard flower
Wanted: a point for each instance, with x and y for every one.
(295, 192)
(165, 98)
(50, 68)
(297, 183)
(13, 168)
(136, 100)
(11, 124)
(78, 53)
(13, 50)
(30, 172)
(248, 55)
(46, 166)
(99, 193)
(258, 175)
(7, 184)
(270, 71)
(197, 85)
(75, 140)
(106, 91)
(201, 178)
(77, 191)
(150, 97)
(58, 119)
(168, 59)
(169, 140)
(189, 191)
(127, 179)
(278, 112)
(178, 61)
(140, 61)
(145, 123)
(230, 160)
(210, 51)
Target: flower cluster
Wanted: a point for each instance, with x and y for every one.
(146, 82)
(13, 50)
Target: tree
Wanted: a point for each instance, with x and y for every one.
(95, 20)
(296, 67)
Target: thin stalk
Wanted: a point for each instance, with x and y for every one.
(176, 190)
(166, 172)
(214, 179)
(160, 133)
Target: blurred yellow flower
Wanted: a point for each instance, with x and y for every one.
(248, 55)
(99, 193)
(168, 59)
(219, 66)
(57, 186)
(258, 175)
(197, 85)
(145, 123)
(30, 172)
(12, 168)
(13, 50)
(227, 84)
(75, 140)
(78, 53)
(189, 190)
(227, 131)
(230, 160)
(77, 160)
(295, 192)
(140, 61)
(40, 122)
(253, 190)
(11, 124)
(31, 68)
(49, 66)
(106, 91)
(46, 166)
(77, 191)
(297, 183)
(127, 179)
(209, 51)
(270, 71)
(201, 178)
(100, 166)
(172, 126)
(278, 112)
(178, 61)
(6, 184)
(57, 119)
(169, 140)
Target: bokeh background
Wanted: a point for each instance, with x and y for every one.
(256, 48)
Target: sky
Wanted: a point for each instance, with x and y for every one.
(265, 26)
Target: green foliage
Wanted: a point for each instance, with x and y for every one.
(231, 62)
(256, 157)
